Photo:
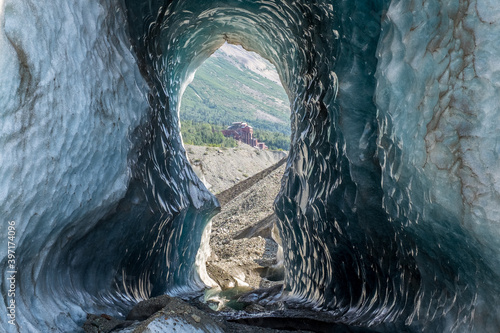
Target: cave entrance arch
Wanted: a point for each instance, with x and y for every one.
(331, 198)
(302, 41)
(235, 127)
(332, 166)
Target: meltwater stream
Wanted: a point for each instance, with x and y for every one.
(389, 206)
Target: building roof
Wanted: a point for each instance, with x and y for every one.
(237, 125)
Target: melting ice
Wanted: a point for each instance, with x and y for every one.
(389, 207)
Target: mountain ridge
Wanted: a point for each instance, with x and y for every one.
(237, 85)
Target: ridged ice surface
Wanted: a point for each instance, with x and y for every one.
(389, 205)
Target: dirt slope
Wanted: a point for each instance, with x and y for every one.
(221, 168)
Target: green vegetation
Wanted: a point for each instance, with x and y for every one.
(273, 140)
(204, 134)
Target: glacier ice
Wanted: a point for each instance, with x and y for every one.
(388, 208)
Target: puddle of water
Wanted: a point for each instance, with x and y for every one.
(217, 299)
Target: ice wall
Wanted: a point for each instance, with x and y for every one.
(438, 99)
(70, 98)
(92, 174)
(388, 205)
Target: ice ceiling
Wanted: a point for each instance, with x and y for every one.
(389, 208)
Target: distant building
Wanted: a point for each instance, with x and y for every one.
(242, 132)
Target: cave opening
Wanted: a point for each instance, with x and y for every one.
(317, 171)
(235, 126)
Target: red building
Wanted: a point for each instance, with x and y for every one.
(242, 132)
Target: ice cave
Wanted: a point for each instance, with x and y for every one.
(389, 208)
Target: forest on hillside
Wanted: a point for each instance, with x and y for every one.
(205, 134)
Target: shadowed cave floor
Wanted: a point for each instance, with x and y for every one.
(170, 314)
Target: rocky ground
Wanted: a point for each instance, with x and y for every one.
(244, 239)
(170, 314)
(244, 245)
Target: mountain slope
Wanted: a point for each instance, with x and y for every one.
(236, 85)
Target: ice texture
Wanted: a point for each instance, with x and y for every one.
(389, 206)
(438, 98)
